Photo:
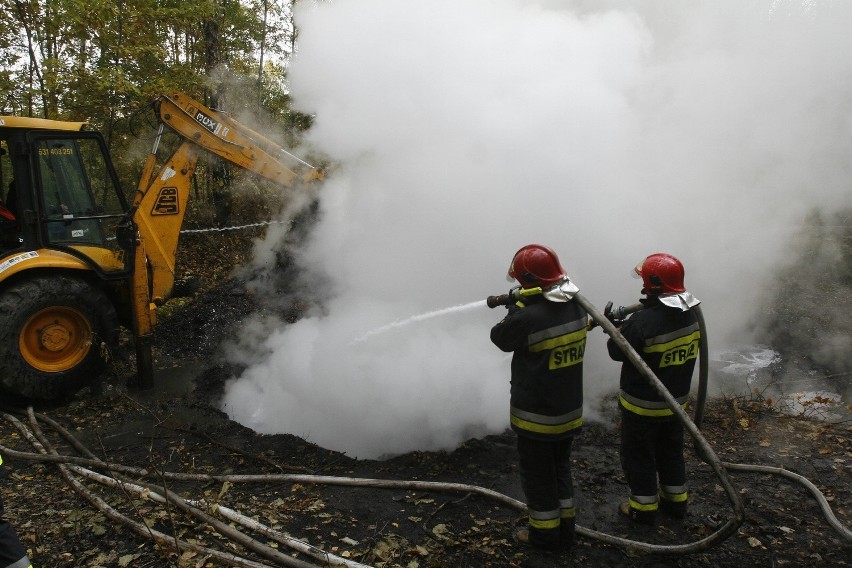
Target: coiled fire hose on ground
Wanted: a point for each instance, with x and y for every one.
(150, 490)
(702, 446)
(693, 427)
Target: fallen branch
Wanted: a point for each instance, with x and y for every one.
(328, 559)
(319, 554)
(38, 441)
(166, 541)
(194, 508)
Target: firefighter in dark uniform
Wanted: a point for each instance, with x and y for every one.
(12, 552)
(546, 332)
(666, 334)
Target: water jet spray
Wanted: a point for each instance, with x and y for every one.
(417, 318)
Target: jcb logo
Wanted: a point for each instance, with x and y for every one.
(680, 355)
(167, 202)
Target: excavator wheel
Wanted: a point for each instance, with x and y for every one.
(56, 334)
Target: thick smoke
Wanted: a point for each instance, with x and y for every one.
(464, 129)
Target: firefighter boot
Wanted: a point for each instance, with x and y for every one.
(676, 510)
(637, 516)
(566, 533)
(545, 540)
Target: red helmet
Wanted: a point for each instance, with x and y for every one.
(661, 274)
(536, 266)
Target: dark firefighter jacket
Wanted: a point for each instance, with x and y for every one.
(667, 339)
(548, 340)
(12, 552)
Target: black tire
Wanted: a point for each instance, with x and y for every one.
(56, 334)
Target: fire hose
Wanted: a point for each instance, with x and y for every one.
(705, 451)
(702, 447)
(621, 312)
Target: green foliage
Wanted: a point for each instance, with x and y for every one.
(103, 61)
(95, 60)
(808, 314)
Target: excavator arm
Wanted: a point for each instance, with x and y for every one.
(223, 136)
(160, 203)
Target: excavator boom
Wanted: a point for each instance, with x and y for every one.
(160, 203)
(223, 136)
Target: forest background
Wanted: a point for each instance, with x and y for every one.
(103, 62)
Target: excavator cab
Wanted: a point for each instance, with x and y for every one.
(62, 194)
(80, 201)
(66, 254)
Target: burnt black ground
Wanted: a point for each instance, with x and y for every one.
(178, 427)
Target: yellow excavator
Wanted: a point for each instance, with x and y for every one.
(79, 259)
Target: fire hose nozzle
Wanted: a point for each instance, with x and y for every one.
(616, 315)
(502, 300)
(619, 314)
(513, 296)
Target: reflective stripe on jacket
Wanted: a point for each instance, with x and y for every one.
(548, 341)
(667, 339)
(649, 407)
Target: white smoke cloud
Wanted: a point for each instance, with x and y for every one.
(465, 129)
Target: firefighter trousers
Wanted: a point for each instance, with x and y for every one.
(652, 450)
(12, 552)
(545, 468)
